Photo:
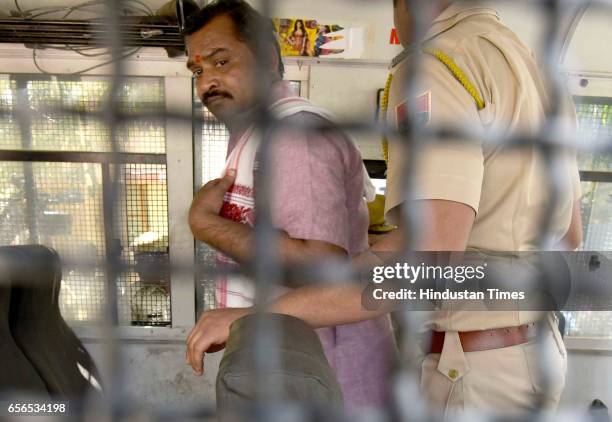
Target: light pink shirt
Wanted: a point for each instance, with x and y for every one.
(317, 183)
(317, 194)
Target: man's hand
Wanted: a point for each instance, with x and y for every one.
(210, 334)
(208, 201)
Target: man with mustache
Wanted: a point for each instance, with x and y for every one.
(477, 74)
(317, 191)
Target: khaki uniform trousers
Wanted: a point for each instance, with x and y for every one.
(506, 380)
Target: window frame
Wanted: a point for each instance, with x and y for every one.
(598, 86)
(152, 62)
(180, 159)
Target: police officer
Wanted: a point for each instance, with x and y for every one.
(475, 73)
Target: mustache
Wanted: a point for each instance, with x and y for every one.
(206, 96)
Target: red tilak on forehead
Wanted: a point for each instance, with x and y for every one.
(198, 58)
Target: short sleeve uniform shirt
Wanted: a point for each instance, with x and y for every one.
(506, 188)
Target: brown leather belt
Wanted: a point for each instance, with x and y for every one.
(498, 338)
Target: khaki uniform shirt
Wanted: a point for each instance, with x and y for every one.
(507, 189)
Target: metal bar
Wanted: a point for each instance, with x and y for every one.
(169, 335)
(267, 274)
(179, 150)
(78, 25)
(407, 377)
(82, 157)
(434, 134)
(132, 21)
(315, 61)
(61, 40)
(199, 120)
(25, 126)
(267, 265)
(86, 33)
(110, 109)
(551, 157)
(112, 245)
(583, 99)
(596, 176)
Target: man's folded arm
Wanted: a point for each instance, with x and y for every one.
(307, 201)
(237, 241)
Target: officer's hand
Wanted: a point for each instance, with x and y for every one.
(209, 200)
(210, 334)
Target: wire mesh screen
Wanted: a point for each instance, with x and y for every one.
(597, 215)
(61, 205)
(68, 218)
(65, 213)
(81, 132)
(594, 120)
(143, 220)
(112, 214)
(13, 227)
(9, 127)
(212, 139)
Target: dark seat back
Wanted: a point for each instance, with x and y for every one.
(17, 374)
(38, 328)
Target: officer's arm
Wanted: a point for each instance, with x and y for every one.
(447, 225)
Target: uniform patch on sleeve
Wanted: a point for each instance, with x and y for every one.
(422, 105)
(401, 117)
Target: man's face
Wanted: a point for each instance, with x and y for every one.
(224, 69)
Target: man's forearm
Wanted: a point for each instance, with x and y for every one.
(324, 306)
(227, 236)
(236, 240)
(329, 305)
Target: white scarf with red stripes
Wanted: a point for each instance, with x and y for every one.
(234, 290)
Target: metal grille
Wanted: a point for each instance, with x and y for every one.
(212, 140)
(143, 219)
(597, 215)
(594, 121)
(9, 127)
(137, 215)
(215, 138)
(589, 324)
(68, 218)
(61, 204)
(13, 227)
(56, 131)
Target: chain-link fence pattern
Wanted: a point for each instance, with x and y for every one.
(118, 214)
